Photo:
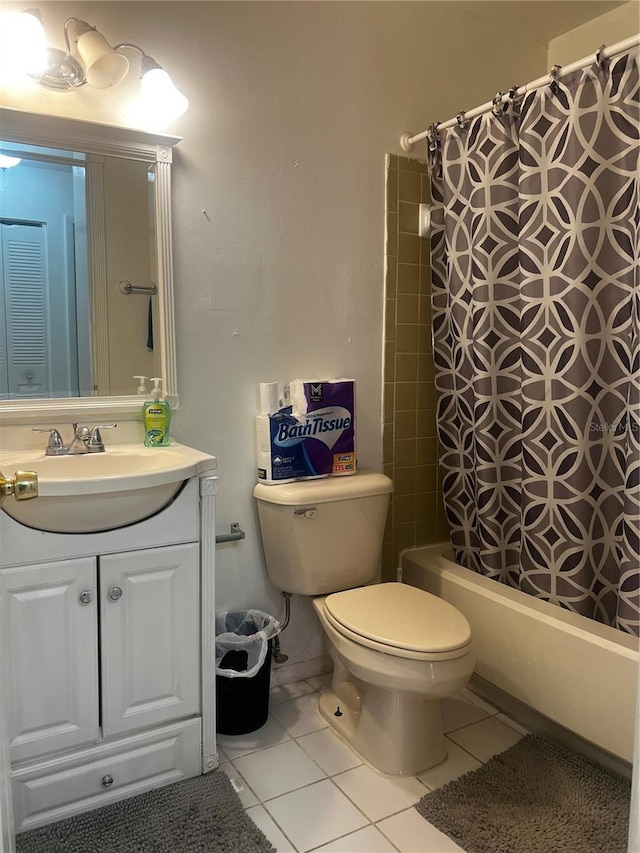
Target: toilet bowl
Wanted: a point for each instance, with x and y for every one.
(396, 651)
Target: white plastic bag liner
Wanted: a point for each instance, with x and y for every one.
(244, 631)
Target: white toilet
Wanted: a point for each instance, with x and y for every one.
(397, 650)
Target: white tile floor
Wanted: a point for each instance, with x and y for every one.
(307, 790)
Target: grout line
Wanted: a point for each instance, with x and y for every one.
(275, 823)
(331, 778)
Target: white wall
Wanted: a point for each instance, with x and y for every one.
(293, 106)
(612, 27)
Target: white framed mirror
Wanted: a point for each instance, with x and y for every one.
(86, 287)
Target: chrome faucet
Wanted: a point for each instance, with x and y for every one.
(85, 440)
(80, 441)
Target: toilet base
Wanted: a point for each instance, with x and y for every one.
(398, 733)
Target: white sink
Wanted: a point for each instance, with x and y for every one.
(101, 491)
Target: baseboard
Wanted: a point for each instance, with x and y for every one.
(287, 673)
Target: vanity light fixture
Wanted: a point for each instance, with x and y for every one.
(96, 63)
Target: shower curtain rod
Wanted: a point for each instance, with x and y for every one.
(407, 141)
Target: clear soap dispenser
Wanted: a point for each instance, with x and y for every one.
(156, 416)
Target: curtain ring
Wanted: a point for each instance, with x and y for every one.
(499, 107)
(462, 120)
(432, 136)
(554, 74)
(599, 58)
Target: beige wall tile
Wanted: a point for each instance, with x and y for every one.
(409, 185)
(407, 308)
(424, 309)
(406, 367)
(408, 278)
(404, 509)
(425, 270)
(412, 165)
(404, 536)
(390, 361)
(425, 189)
(426, 395)
(407, 337)
(408, 217)
(427, 532)
(426, 478)
(427, 451)
(426, 506)
(392, 234)
(416, 515)
(405, 481)
(425, 368)
(387, 442)
(391, 277)
(405, 425)
(406, 396)
(388, 402)
(391, 195)
(408, 248)
(390, 319)
(426, 423)
(404, 453)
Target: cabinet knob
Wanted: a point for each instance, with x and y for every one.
(115, 593)
(107, 781)
(86, 596)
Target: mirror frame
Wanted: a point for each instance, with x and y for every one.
(102, 139)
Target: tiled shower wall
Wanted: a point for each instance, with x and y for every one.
(410, 453)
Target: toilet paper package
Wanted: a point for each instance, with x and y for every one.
(314, 436)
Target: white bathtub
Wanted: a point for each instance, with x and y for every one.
(576, 672)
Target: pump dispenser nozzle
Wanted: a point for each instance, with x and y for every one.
(157, 382)
(142, 388)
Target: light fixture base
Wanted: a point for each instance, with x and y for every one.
(62, 73)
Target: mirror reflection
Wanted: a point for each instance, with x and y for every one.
(74, 227)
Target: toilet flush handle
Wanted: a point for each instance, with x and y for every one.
(311, 512)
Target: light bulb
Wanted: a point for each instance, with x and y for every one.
(160, 97)
(23, 45)
(6, 162)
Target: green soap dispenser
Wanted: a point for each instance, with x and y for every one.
(156, 416)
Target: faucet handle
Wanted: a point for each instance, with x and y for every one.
(55, 445)
(96, 445)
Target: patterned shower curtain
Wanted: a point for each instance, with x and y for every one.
(536, 325)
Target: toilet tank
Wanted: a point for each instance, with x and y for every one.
(322, 536)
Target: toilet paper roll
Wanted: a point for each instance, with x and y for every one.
(266, 474)
(268, 398)
(263, 435)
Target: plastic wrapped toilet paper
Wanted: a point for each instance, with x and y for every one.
(313, 437)
(269, 402)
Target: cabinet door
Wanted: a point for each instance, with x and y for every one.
(149, 605)
(50, 657)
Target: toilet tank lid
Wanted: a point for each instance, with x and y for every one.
(304, 492)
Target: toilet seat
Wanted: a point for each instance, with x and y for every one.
(401, 620)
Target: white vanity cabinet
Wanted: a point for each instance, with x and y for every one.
(108, 658)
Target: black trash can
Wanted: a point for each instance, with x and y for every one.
(243, 670)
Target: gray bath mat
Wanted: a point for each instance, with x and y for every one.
(201, 815)
(536, 797)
